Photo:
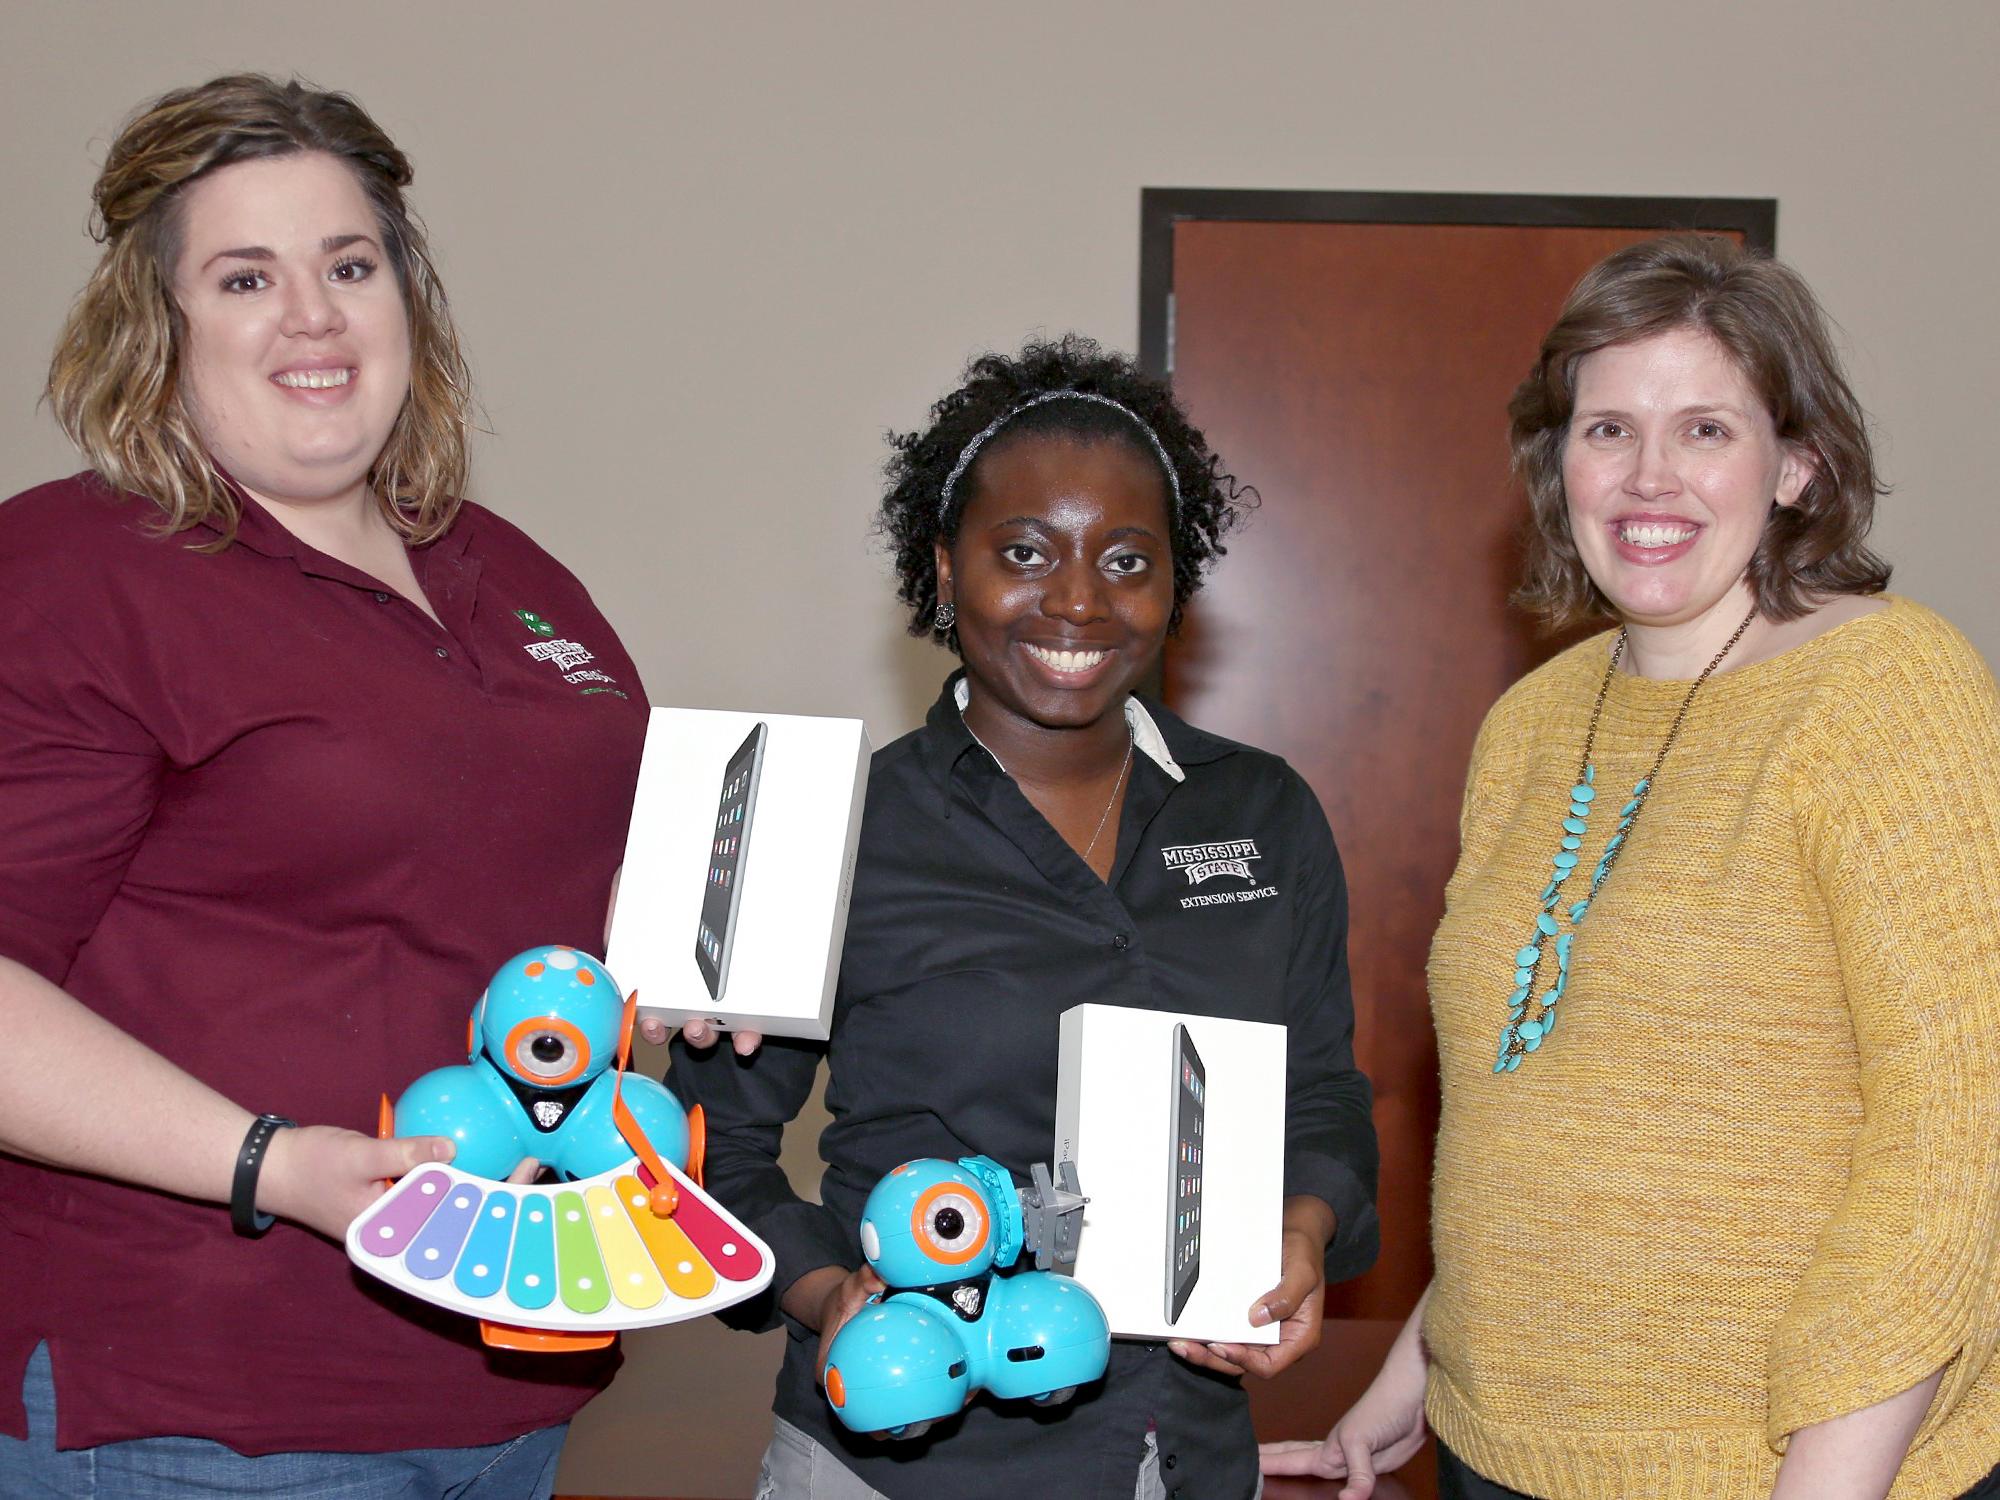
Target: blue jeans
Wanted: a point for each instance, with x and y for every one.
(175, 1468)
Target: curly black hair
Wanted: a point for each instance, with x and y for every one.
(1211, 500)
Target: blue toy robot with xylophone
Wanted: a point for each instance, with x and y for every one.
(939, 1233)
(539, 1081)
(630, 1239)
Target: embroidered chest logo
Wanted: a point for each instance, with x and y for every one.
(569, 656)
(1202, 863)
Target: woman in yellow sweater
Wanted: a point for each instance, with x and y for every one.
(1717, 988)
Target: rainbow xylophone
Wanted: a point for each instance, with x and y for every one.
(588, 1256)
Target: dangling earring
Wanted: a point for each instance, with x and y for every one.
(946, 617)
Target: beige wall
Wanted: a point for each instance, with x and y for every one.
(704, 255)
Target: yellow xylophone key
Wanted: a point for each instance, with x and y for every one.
(687, 1274)
(634, 1280)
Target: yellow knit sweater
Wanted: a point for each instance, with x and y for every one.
(1751, 1181)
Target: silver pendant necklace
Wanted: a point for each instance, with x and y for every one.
(1111, 801)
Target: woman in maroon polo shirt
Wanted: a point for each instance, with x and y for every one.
(290, 766)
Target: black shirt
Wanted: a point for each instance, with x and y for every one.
(973, 927)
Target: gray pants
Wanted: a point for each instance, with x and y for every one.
(797, 1468)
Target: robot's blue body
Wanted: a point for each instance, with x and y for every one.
(936, 1231)
(539, 1079)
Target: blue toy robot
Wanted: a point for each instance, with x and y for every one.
(938, 1234)
(539, 1080)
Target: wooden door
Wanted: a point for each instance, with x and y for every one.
(1357, 374)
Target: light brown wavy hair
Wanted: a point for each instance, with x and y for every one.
(114, 382)
(1764, 315)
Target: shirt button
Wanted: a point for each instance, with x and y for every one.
(1121, 942)
(380, 597)
(1169, 1461)
(443, 655)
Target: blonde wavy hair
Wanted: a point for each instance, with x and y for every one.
(114, 382)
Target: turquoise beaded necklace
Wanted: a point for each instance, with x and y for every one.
(1530, 1020)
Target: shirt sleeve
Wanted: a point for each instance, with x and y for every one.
(79, 779)
(1330, 1149)
(746, 1103)
(1900, 824)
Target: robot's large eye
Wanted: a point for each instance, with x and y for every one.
(545, 1054)
(951, 1225)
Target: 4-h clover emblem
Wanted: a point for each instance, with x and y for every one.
(534, 622)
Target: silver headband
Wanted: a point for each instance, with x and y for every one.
(971, 450)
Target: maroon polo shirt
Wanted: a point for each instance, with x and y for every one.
(271, 820)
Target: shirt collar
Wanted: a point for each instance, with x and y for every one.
(262, 532)
(257, 528)
(1145, 733)
(944, 740)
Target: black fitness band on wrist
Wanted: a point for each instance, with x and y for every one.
(243, 1215)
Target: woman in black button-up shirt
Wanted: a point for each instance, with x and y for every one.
(1049, 525)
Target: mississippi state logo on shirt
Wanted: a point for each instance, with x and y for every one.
(568, 656)
(1203, 862)
(1228, 859)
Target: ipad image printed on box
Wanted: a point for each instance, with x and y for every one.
(722, 888)
(732, 903)
(1176, 1124)
(1184, 1142)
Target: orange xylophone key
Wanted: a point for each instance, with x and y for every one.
(686, 1272)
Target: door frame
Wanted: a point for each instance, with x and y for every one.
(1160, 209)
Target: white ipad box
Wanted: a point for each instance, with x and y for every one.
(1176, 1124)
(738, 868)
